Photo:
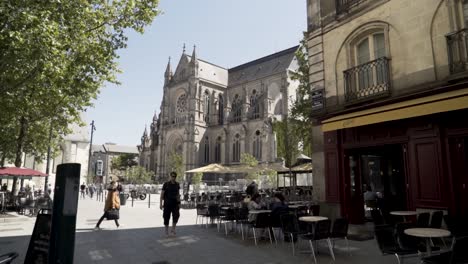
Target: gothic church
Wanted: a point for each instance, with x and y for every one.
(210, 114)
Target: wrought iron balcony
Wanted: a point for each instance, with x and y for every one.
(343, 6)
(457, 46)
(367, 80)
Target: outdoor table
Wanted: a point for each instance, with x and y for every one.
(427, 233)
(312, 219)
(259, 211)
(404, 213)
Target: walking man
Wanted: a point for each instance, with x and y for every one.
(170, 203)
(82, 188)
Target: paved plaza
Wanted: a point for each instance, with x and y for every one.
(141, 240)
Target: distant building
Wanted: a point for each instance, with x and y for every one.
(101, 160)
(74, 148)
(210, 114)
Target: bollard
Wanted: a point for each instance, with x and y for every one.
(149, 200)
(132, 201)
(62, 235)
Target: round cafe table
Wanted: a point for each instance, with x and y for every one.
(404, 213)
(259, 211)
(427, 233)
(312, 219)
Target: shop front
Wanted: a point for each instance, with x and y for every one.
(405, 157)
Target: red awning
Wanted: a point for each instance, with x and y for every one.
(14, 171)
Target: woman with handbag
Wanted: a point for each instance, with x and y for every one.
(111, 207)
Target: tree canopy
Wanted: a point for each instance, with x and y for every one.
(55, 57)
(294, 131)
(124, 161)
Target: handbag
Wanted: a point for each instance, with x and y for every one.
(112, 214)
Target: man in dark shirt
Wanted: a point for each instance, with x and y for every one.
(169, 202)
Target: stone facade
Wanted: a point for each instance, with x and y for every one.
(210, 114)
(404, 40)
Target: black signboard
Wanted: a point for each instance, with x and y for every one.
(38, 250)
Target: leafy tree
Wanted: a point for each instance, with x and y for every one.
(176, 163)
(294, 131)
(55, 57)
(124, 161)
(301, 112)
(250, 161)
(138, 175)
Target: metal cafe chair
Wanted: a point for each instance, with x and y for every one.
(8, 258)
(262, 221)
(321, 232)
(340, 230)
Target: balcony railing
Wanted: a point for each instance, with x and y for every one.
(367, 80)
(457, 46)
(343, 6)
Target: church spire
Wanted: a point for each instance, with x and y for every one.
(194, 54)
(183, 49)
(168, 73)
(155, 116)
(146, 131)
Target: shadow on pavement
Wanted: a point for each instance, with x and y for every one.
(192, 244)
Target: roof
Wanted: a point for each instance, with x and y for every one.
(97, 148)
(120, 149)
(263, 67)
(211, 72)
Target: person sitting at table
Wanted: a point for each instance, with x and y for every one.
(278, 206)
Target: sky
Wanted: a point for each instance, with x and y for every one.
(226, 32)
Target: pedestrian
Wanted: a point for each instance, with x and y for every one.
(82, 188)
(111, 206)
(91, 190)
(170, 203)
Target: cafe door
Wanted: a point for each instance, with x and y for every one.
(382, 171)
(458, 148)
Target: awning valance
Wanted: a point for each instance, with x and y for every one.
(449, 101)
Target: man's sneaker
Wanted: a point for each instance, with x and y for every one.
(97, 228)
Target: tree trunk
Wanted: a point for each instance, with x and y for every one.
(19, 149)
(2, 161)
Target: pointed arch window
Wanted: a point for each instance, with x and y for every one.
(206, 106)
(218, 150)
(236, 148)
(255, 105)
(220, 109)
(257, 146)
(236, 109)
(206, 153)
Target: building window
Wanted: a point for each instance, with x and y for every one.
(99, 167)
(370, 75)
(257, 146)
(220, 110)
(236, 149)
(218, 150)
(465, 12)
(206, 106)
(206, 154)
(254, 105)
(236, 109)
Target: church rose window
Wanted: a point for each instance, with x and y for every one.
(182, 103)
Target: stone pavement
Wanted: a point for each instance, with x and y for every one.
(141, 240)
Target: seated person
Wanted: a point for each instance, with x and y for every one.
(254, 204)
(278, 206)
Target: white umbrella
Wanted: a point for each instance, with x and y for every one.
(212, 168)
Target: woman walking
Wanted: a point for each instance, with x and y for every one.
(111, 207)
